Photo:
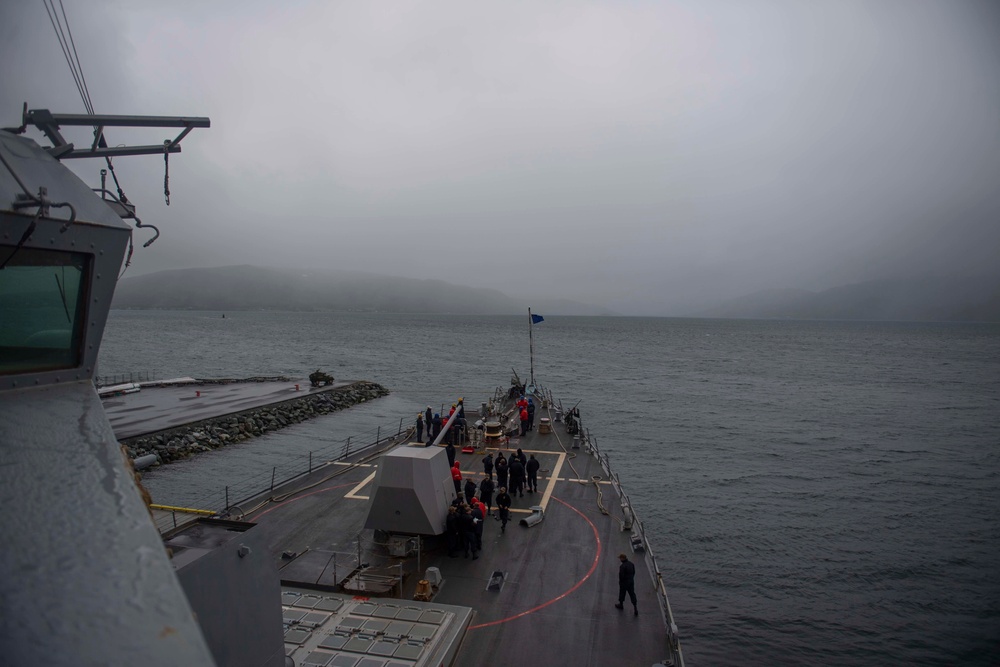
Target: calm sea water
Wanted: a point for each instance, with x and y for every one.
(817, 493)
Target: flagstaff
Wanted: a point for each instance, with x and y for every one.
(532, 321)
(531, 347)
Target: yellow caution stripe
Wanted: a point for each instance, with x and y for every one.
(171, 508)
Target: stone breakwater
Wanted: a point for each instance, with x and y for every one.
(202, 436)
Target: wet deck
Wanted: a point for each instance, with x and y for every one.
(561, 576)
(157, 408)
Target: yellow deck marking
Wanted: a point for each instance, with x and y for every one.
(353, 493)
(552, 481)
(549, 480)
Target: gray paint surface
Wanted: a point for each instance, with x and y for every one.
(411, 491)
(84, 577)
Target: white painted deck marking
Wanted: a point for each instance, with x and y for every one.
(353, 493)
(552, 481)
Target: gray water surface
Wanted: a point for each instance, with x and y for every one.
(816, 492)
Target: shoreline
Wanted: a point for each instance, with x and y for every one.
(203, 435)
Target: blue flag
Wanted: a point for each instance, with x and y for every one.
(535, 319)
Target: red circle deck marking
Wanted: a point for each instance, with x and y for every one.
(593, 566)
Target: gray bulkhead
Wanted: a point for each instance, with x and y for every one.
(84, 576)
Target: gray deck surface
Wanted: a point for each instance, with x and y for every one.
(159, 408)
(556, 607)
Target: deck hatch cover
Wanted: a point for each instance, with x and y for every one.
(386, 611)
(408, 651)
(329, 604)
(432, 616)
(317, 659)
(314, 618)
(384, 647)
(375, 625)
(365, 609)
(351, 623)
(296, 636)
(334, 642)
(358, 645)
(398, 629)
(293, 616)
(422, 631)
(308, 601)
(344, 661)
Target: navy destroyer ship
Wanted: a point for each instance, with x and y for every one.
(349, 564)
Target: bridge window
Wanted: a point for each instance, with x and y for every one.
(42, 309)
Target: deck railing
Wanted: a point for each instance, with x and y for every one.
(639, 537)
(228, 498)
(123, 378)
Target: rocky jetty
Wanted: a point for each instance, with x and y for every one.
(179, 443)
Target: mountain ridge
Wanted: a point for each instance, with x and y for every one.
(246, 287)
(926, 299)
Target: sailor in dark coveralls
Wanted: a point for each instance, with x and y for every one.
(532, 469)
(467, 527)
(470, 490)
(486, 493)
(420, 427)
(531, 414)
(503, 508)
(436, 423)
(626, 583)
(428, 420)
(477, 519)
(501, 468)
(451, 527)
(516, 470)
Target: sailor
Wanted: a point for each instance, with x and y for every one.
(437, 425)
(501, 467)
(470, 490)
(503, 508)
(477, 518)
(420, 427)
(488, 464)
(461, 408)
(519, 455)
(467, 527)
(626, 583)
(451, 528)
(522, 402)
(486, 493)
(450, 448)
(516, 477)
(456, 476)
(524, 421)
(428, 420)
(531, 414)
(532, 469)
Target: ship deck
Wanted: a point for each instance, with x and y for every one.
(556, 603)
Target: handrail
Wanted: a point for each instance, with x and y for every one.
(638, 530)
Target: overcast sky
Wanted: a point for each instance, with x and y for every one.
(647, 156)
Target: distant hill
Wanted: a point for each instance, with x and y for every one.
(257, 288)
(925, 299)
